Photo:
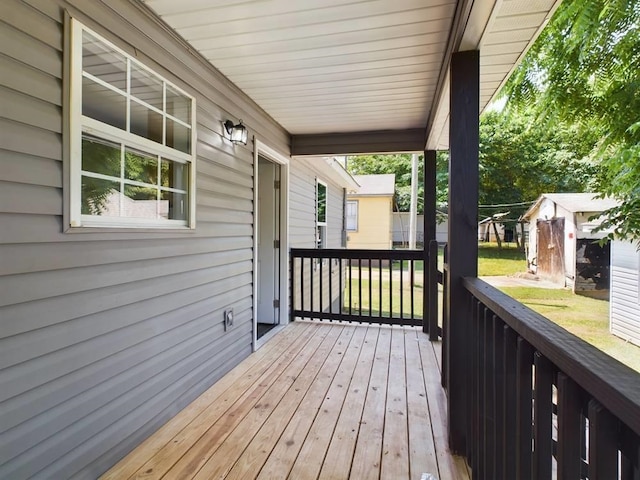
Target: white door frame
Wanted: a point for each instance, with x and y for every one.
(267, 152)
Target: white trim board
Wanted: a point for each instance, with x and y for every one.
(264, 150)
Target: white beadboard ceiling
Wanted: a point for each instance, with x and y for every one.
(328, 66)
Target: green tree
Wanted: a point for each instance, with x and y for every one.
(519, 160)
(400, 165)
(584, 72)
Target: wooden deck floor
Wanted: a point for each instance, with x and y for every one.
(326, 401)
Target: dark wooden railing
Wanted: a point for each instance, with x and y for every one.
(373, 286)
(544, 403)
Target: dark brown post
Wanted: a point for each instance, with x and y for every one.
(430, 265)
(463, 233)
(429, 196)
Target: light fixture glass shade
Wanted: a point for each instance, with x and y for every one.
(237, 133)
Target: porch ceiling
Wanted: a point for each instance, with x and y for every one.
(321, 67)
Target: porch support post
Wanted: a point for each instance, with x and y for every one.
(430, 288)
(463, 236)
(429, 196)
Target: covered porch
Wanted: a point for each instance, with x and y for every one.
(319, 400)
(110, 332)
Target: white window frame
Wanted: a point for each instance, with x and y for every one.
(321, 227)
(352, 202)
(80, 125)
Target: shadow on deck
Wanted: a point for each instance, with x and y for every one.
(329, 401)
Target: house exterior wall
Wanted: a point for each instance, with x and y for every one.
(106, 334)
(625, 287)
(374, 223)
(302, 226)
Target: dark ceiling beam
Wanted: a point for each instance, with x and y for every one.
(458, 26)
(355, 143)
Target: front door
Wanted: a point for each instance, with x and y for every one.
(268, 214)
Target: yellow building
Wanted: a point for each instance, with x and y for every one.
(369, 212)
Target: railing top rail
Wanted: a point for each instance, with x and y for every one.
(358, 254)
(613, 384)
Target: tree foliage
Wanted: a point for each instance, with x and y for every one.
(519, 160)
(400, 165)
(584, 71)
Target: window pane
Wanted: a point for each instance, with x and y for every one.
(352, 216)
(174, 206)
(100, 156)
(178, 105)
(140, 167)
(140, 202)
(146, 86)
(103, 104)
(103, 62)
(146, 122)
(321, 210)
(178, 136)
(174, 175)
(100, 197)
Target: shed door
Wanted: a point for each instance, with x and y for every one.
(551, 248)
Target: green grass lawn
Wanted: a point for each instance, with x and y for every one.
(585, 317)
(360, 300)
(505, 261)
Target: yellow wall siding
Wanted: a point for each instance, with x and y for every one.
(374, 223)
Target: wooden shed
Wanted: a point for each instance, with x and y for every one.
(562, 244)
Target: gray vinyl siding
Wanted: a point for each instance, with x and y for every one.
(625, 297)
(105, 334)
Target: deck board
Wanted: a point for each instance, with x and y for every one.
(319, 400)
(344, 437)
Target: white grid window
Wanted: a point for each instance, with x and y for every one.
(321, 214)
(132, 141)
(351, 215)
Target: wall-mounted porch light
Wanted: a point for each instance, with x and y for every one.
(237, 133)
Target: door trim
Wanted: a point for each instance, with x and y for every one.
(261, 149)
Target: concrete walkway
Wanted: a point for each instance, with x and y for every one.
(520, 280)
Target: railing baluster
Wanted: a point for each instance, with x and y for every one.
(630, 450)
(302, 296)
(603, 450)
(330, 285)
(380, 288)
(473, 420)
(412, 281)
(481, 433)
(498, 365)
(321, 282)
(401, 290)
(340, 286)
(312, 271)
(510, 399)
(292, 286)
(570, 435)
(350, 280)
(390, 289)
(542, 417)
(370, 295)
(360, 287)
(523, 409)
